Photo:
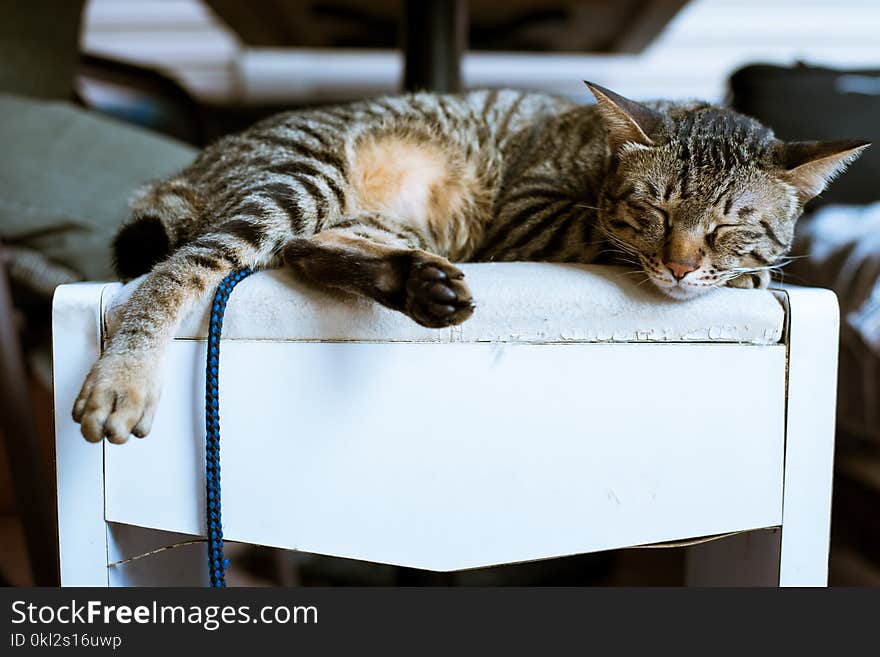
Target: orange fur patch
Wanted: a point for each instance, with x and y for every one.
(410, 180)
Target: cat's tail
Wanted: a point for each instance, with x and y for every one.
(163, 215)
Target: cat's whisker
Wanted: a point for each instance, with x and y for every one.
(619, 260)
(751, 270)
(775, 265)
(617, 252)
(616, 241)
(617, 247)
(793, 277)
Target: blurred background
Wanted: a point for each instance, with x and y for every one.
(99, 96)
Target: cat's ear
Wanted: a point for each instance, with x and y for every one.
(811, 165)
(625, 119)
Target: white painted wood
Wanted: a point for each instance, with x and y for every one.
(798, 555)
(814, 326)
(331, 452)
(535, 302)
(76, 341)
(185, 565)
(747, 559)
(461, 455)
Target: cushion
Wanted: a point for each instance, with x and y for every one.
(516, 302)
(66, 176)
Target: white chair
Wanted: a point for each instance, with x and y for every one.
(575, 412)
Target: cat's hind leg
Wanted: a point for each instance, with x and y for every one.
(387, 268)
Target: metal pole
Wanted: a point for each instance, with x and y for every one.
(434, 38)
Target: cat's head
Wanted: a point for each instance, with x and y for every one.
(702, 195)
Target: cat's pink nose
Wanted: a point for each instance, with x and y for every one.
(681, 269)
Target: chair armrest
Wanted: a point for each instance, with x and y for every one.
(76, 343)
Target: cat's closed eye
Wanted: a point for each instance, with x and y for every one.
(661, 214)
(740, 231)
(713, 235)
(628, 224)
(643, 215)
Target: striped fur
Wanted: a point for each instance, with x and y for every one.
(380, 197)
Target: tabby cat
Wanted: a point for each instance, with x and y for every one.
(379, 197)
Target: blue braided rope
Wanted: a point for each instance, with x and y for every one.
(217, 563)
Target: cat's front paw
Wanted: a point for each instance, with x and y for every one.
(118, 398)
(436, 294)
(758, 280)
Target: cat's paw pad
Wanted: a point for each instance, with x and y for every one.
(118, 399)
(436, 294)
(758, 280)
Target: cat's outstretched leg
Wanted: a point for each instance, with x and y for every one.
(121, 391)
(426, 287)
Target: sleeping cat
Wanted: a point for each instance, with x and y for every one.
(380, 197)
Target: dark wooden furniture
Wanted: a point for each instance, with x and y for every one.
(31, 476)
